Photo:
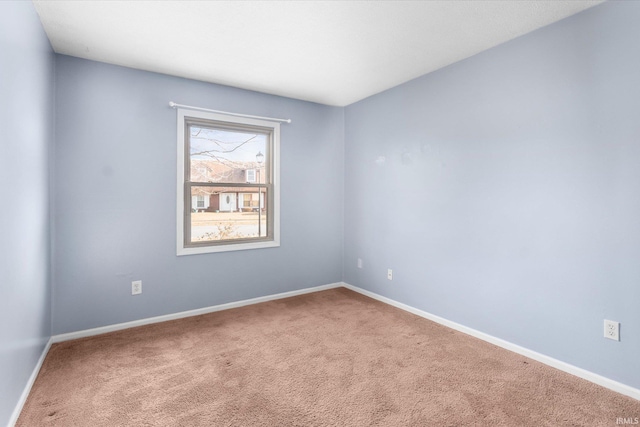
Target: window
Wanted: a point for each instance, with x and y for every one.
(228, 197)
(247, 200)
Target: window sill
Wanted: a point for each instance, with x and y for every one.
(227, 248)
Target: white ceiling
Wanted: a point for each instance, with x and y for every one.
(331, 52)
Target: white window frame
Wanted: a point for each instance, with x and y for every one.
(181, 249)
(250, 172)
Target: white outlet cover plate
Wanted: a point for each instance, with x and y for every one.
(136, 287)
(612, 330)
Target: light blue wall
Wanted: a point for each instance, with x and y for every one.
(26, 133)
(508, 202)
(510, 197)
(115, 194)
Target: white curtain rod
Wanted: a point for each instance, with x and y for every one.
(174, 105)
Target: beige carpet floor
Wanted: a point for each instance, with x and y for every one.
(332, 358)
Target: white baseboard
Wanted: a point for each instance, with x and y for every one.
(27, 389)
(565, 367)
(550, 361)
(141, 322)
(183, 314)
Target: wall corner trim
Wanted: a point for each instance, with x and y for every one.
(547, 360)
(27, 388)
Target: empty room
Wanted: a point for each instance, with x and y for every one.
(319, 213)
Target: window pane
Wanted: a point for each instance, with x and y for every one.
(228, 213)
(219, 155)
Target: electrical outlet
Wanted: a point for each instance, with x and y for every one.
(390, 274)
(136, 287)
(612, 330)
(359, 262)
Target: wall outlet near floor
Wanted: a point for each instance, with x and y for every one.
(136, 287)
(359, 262)
(612, 330)
(390, 274)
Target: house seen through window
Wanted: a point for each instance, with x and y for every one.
(228, 199)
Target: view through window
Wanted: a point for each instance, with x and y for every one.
(228, 183)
